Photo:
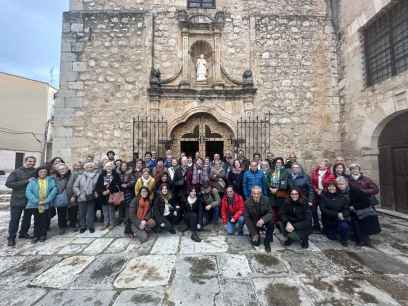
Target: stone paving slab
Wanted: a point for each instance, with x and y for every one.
(21, 296)
(221, 270)
(238, 293)
(208, 245)
(195, 281)
(63, 273)
(20, 275)
(287, 291)
(101, 273)
(97, 246)
(166, 244)
(233, 266)
(142, 297)
(78, 298)
(268, 264)
(146, 271)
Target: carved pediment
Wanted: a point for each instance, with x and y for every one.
(200, 20)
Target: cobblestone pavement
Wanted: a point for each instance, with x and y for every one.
(106, 268)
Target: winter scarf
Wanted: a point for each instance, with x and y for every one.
(143, 208)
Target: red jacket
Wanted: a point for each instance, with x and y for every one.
(328, 176)
(236, 209)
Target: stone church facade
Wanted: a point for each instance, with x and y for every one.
(291, 71)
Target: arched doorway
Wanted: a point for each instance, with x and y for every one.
(201, 133)
(393, 163)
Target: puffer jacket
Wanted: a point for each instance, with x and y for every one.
(332, 204)
(302, 181)
(18, 181)
(32, 193)
(252, 179)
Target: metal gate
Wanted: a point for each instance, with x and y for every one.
(254, 135)
(150, 134)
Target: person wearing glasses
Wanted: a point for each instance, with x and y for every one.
(297, 219)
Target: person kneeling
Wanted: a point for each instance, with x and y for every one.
(335, 213)
(211, 202)
(164, 210)
(193, 214)
(232, 211)
(140, 216)
(258, 216)
(297, 219)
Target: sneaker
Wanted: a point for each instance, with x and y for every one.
(25, 236)
(92, 230)
(11, 243)
(82, 230)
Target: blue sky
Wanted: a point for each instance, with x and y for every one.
(30, 38)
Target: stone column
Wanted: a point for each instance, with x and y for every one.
(186, 59)
(217, 58)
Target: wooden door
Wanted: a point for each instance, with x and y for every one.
(400, 158)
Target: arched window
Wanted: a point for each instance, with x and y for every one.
(201, 3)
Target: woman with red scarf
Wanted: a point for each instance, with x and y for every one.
(140, 216)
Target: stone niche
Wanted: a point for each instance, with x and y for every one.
(179, 98)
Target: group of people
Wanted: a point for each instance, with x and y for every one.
(189, 193)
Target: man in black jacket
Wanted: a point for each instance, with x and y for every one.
(258, 216)
(18, 181)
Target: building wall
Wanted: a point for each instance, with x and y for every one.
(289, 45)
(24, 105)
(366, 109)
(8, 159)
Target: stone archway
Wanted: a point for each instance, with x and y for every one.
(202, 133)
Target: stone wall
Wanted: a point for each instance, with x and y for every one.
(366, 109)
(289, 45)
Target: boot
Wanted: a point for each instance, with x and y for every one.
(11, 243)
(305, 243)
(195, 237)
(288, 242)
(267, 245)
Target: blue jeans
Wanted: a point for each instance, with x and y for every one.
(231, 226)
(340, 228)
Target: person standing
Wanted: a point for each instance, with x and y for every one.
(253, 177)
(146, 180)
(18, 181)
(320, 177)
(108, 183)
(40, 193)
(77, 169)
(84, 190)
(277, 182)
(61, 202)
(258, 216)
(236, 177)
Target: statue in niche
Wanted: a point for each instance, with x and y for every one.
(202, 69)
